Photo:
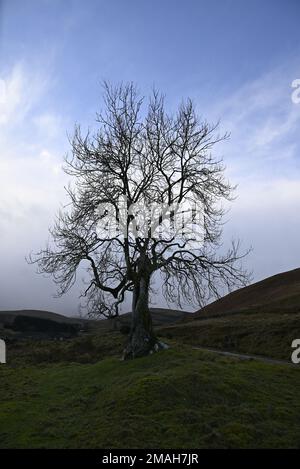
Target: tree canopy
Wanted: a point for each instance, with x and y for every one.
(147, 197)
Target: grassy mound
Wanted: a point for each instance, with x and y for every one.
(180, 398)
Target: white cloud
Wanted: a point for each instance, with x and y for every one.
(49, 125)
(263, 157)
(20, 90)
(29, 161)
(31, 184)
(263, 122)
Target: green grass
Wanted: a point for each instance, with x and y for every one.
(87, 348)
(179, 398)
(269, 334)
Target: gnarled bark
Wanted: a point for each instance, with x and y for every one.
(142, 339)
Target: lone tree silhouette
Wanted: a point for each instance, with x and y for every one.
(140, 162)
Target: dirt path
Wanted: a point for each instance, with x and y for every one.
(243, 356)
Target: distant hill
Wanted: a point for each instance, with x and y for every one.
(280, 292)
(37, 324)
(160, 317)
(8, 317)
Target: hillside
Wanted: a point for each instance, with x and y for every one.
(262, 319)
(77, 393)
(8, 317)
(160, 317)
(179, 398)
(280, 292)
(43, 325)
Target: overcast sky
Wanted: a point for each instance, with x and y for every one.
(236, 59)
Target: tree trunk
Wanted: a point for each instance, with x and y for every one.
(142, 340)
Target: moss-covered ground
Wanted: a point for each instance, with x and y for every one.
(86, 397)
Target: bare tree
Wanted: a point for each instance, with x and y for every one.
(139, 159)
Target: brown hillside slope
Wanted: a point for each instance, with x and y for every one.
(279, 292)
